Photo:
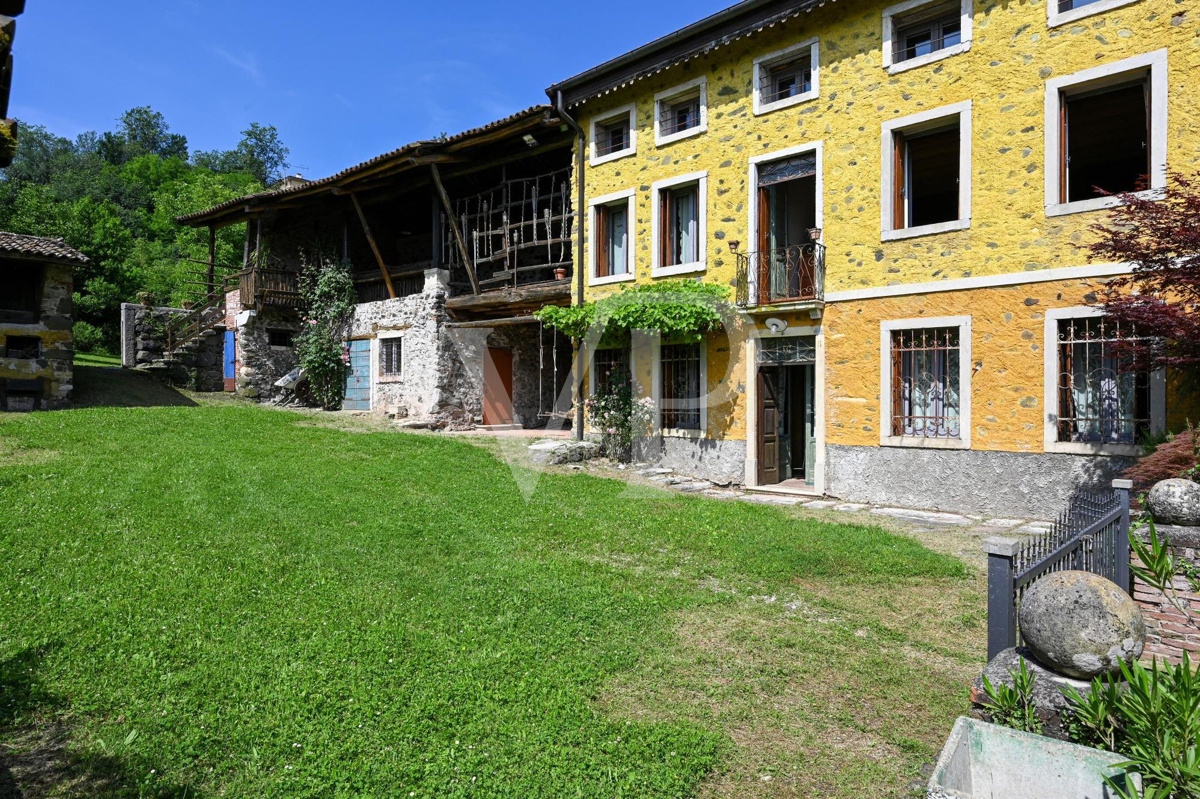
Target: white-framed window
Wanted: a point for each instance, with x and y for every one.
(678, 224)
(787, 77)
(611, 242)
(681, 388)
(613, 134)
(926, 185)
(1095, 402)
(388, 356)
(1060, 12)
(919, 32)
(925, 380)
(681, 111)
(1106, 126)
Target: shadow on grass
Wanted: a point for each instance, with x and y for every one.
(108, 387)
(37, 759)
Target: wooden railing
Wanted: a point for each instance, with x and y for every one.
(265, 286)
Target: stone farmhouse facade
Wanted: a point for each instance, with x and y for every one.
(37, 347)
(895, 194)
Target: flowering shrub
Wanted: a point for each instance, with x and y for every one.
(619, 418)
(327, 291)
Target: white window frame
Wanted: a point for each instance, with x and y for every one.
(656, 388)
(1054, 17)
(701, 181)
(629, 110)
(630, 197)
(1158, 393)
(763, 64)
(376, 378)
(931, 119)
(816, 147)
(1115, 72)
(666, 96)
(966, 368)
(890, 29)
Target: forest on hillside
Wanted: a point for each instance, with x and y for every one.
(114, 196)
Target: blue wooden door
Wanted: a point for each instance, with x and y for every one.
(230, 360)
(358, 379)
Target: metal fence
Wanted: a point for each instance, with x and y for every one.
(1092, 535)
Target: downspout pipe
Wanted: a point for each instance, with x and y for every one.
(580, 149)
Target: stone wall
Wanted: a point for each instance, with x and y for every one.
(1168, 632)
(143, 333)
(722, 461)
(51, 366)
(259, 363)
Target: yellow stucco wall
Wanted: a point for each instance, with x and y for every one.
(1012, 55)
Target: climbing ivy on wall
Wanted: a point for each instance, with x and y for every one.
(328, 297)
(680, 310)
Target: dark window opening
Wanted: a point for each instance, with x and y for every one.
(927, 30)
(1105, 141)
(786, 79)
(22, 347)
(679, 220)
(281, 338)
(612, 137)
(612, 237)
(20, 294)
(1071, 5)
(927, 177)
(680, 114)
(391, 357)
(680, 387)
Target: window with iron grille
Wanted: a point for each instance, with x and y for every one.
(926, 390)
(281, 338)
(680, 388)
(391, 357)
(786, 79)
(612, 136)
(679, 113)
(1101, 398)
(610, 366)
(926, 30)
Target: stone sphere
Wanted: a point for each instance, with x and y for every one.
(1175, 502)
(1081, 625)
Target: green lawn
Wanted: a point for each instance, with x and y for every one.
(96, 359)
(224, 600)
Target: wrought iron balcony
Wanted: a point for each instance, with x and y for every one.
(783, 275)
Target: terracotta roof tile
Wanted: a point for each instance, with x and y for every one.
(38, 247)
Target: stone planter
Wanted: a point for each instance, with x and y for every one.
(985, 760)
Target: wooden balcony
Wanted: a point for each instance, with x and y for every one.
(262, 286)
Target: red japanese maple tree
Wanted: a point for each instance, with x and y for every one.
(1160, 301)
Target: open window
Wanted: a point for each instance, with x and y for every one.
(927, 173)
(681, 111)
(612, 253)
(1060, 12)
(614, 135)
(919, 32)
(926, 380)
(787, 263)
(679, 224)
(786, 77)
(1105, 134)
(20, 301)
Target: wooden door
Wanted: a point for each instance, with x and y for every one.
(768, 427)
(497, 387)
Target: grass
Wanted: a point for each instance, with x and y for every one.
(96, 359)
(217, 599)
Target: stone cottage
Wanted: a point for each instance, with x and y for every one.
(36, 343)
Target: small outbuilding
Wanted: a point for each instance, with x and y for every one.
(36, 343)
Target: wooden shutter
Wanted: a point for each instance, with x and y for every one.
(897, 389)
(603, 241)
(1062, 147)
(666, 229)
(898, 183)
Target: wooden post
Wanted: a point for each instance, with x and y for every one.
(212, 258)
(374, 247)
(1002, 611)
(462, 245)
(1122, 554)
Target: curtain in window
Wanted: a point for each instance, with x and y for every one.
(679, 398)
(927, 398)
(685, 227)
(618, 241)
(1101, 400)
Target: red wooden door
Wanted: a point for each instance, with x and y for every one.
(768, 427)
(497, 387)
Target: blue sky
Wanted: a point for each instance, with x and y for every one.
(342, 81)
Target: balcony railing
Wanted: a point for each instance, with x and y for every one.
(782, 275)
(262, 286)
